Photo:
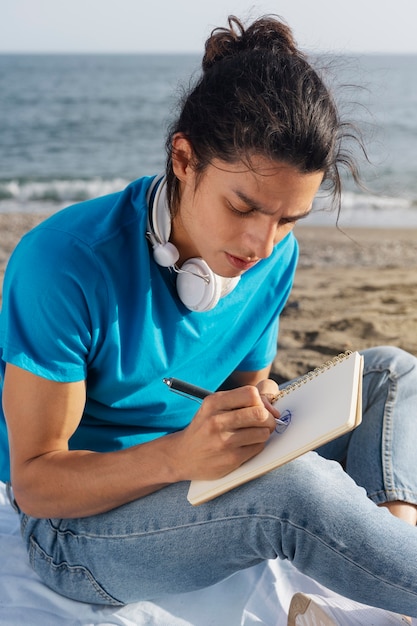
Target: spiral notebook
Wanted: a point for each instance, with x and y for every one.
(322, 405)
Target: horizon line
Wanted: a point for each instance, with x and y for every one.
(199, 52)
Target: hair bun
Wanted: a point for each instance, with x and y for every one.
(265, 33)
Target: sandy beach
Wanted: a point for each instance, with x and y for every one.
(353, 289)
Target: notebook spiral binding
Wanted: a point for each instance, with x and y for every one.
(312, 374)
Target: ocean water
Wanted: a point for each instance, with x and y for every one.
(77, 126)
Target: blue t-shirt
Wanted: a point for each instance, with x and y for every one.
(84, 299)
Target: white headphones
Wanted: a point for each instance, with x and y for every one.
(198, 287)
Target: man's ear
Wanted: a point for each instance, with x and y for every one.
(182, 157)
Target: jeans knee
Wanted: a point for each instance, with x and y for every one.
(395, 361)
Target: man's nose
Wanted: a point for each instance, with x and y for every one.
(263, 240)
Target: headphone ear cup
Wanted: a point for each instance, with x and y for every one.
(197, 286)
(165, 254)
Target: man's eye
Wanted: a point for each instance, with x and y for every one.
(240, 213)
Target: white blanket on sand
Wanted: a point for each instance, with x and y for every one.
(257, 596)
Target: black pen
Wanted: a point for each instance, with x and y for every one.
(186, 389)
(198, 393)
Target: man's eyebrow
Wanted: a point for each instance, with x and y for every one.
(255, 206)
(250, 203)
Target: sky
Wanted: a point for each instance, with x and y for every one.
(360, 26)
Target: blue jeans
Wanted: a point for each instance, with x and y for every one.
(309, 511)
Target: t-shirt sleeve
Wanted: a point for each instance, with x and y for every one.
(46, 323)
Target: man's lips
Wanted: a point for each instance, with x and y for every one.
(239, 263)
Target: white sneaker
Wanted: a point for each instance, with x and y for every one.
(313, 610)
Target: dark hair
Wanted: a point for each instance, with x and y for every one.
(259, 95)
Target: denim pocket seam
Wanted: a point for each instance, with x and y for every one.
(35, 551)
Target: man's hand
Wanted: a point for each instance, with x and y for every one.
(229, 428)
